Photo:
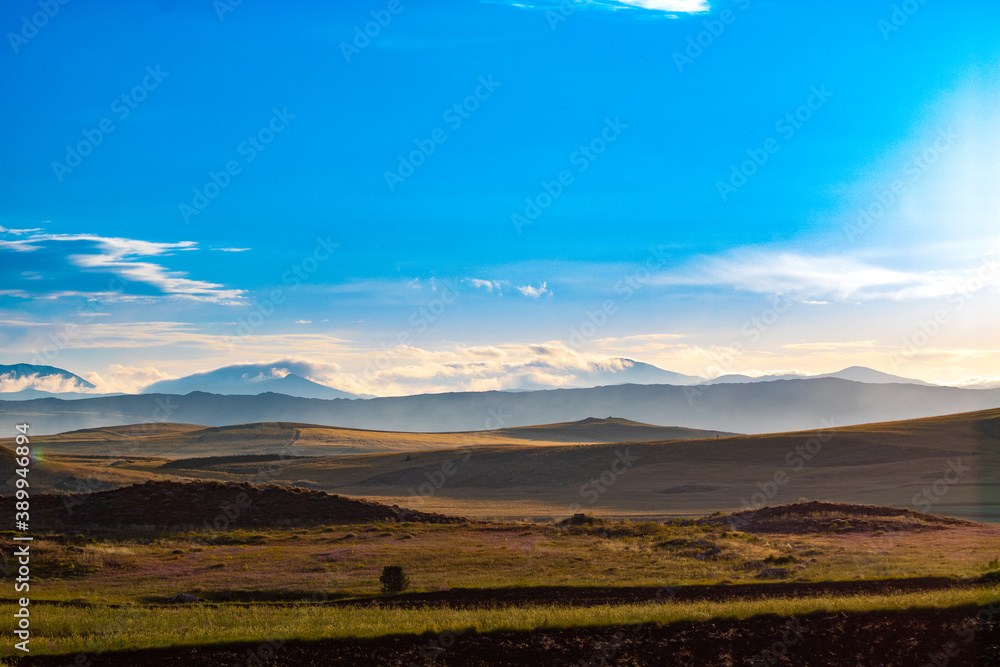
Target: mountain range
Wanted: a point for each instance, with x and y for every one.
(760, 407)
(853, 373)
(290, 379)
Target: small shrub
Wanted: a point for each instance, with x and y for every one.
(394, 579)
(780, 560)
(993, 564)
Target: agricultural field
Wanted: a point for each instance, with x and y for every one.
(549, 542)
(475, 587)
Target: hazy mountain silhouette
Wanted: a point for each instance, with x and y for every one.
(35, 375)
(853, 373)
(248, 379)
(629, 371)
(762, 407)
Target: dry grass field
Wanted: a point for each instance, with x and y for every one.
(229, 549)
(948, 465)
(109, 593)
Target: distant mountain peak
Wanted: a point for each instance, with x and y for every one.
(250, 380)
(18, 377)
(852, 373)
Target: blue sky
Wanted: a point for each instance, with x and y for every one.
(242, 197)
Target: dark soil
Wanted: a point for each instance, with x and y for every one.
(215, 505)
(824, 517)
(952, 637)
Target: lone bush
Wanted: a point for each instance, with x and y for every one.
(393, 579)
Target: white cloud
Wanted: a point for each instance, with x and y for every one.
(51, 383)
(19, 232)
(533, 292)
(821, 278)
(671, 6)
(488, 285)
(408, 370)
(976, 382)
(121, 257)
(665, 7)
(117, 378)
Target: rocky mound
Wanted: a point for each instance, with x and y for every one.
(824, 517)
(209, 505)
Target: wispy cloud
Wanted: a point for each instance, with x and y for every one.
(488, 285)
(664, 7)
(19, 232)
(815, 279)
(55, 384)
(820, 346)
(670, 6)
(74, 263)
(124, 379)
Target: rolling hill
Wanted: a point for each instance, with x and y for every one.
(284, 439)
(946, 465)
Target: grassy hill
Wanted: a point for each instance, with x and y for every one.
(946, 465)
(949, 465)
(290, 439)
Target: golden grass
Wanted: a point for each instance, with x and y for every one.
(347, 560)
(63, 630)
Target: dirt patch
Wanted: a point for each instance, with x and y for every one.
(889, 639)
(823, 517)
(209, 505)
(220, 461)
